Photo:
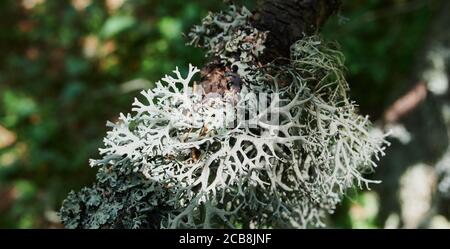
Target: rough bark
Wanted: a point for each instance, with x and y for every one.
(287, 21)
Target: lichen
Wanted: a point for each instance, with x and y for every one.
(229, 38)
(281, 151)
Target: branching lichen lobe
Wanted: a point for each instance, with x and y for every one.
(177, 161)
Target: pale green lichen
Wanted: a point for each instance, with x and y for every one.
(230, 38)
(184, 159)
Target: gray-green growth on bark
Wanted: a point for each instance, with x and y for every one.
(174, 163)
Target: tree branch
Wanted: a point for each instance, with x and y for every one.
(289, 20)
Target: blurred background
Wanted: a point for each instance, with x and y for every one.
(68, 66)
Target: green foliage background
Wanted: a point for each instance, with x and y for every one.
(66, 68)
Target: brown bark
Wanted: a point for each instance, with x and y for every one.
(287, 21)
